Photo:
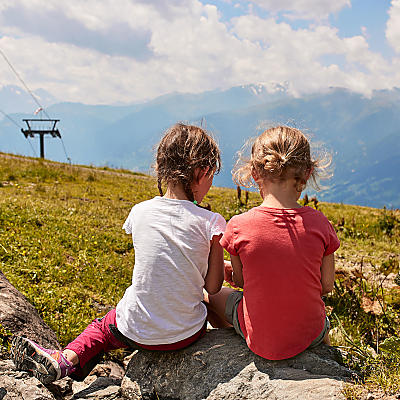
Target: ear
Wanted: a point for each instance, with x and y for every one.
(309, 173)
(200, 174)
(255, 175)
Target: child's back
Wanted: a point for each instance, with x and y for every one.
(281, 251)
(172, 243)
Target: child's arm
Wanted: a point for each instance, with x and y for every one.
(328, 273)
(237, 267)
(228, 273)
(215, 273)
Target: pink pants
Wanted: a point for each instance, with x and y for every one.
(96, 338)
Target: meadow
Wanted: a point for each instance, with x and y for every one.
(62, 245)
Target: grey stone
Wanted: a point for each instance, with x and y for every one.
(108, 369)
(217, 367)
(220, 366)
(21, 318)
(17, 385)
(103, 383)
(99, 388)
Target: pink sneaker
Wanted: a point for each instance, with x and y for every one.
(45, 364)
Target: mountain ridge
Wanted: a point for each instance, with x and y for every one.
(362, 133)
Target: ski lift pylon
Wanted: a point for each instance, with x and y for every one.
(41, 131)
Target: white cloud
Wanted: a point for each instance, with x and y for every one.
(304, 9)
(296, 55)
(393, 26)
(131, 50)
(84, 25)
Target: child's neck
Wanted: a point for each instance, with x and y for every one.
(279, 194)
(175, 192)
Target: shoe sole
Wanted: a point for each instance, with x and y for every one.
(29, 357)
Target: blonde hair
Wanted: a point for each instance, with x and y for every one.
(280, 153)
(183, 149)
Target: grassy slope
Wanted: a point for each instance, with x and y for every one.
(61, 244)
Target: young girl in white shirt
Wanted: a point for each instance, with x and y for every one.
(177, 254)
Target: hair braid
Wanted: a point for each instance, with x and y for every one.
(159, 185)
(187, 187)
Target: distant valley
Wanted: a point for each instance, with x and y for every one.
(363, 134)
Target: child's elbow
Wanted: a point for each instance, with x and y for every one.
(327, 288)
(238, 281)
(213, 289)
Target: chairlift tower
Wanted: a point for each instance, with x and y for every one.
(35, 127)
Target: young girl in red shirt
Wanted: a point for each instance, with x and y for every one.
(282, 254)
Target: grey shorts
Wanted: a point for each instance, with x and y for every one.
(231, 316)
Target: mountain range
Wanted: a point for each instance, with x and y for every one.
(362, 134)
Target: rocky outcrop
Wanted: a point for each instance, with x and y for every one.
(21, 318)
(17, 385)
(220, 366)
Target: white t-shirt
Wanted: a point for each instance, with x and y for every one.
(172, 244)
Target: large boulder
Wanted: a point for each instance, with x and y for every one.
(217, 367)
(220, 366)
(21, 318)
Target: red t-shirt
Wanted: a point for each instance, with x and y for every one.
(281, 250)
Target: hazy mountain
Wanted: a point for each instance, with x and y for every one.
(14, 99)
(363, 134)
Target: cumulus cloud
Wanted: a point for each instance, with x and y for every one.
(56, 26)
(393, 26)
(132, 50)
(304, 9)
(297, 55)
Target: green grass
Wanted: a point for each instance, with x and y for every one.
(61, 245)
(61, 241)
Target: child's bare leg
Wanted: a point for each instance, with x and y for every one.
(215, 320)
(71, 356)
(216, 307)
(326, 339)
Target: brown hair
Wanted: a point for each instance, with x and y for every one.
(280, 153)
(183, 149)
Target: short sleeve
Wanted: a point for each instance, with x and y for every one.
(332, 242)
(217, 225)
(228, 239)
(128, 224)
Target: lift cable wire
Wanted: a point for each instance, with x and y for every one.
(11, 119)
(65, 151)
(19, 126)
(33, 97)
(23, 83)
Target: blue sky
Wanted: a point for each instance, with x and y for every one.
(124, 51)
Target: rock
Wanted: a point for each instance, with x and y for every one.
(220, 366)
(103, 383)
(108, 369)
(19, 385)
(99, 388)
(217, 367)
(21, 318)
(16, 385)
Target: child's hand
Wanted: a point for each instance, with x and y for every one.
(228, 271)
